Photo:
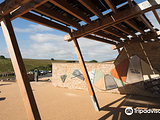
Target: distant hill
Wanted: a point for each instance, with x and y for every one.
(6, 65)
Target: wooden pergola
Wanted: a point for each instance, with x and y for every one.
(117, 26)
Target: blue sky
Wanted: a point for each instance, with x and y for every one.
(37, 41)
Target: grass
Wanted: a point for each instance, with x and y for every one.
(6, 65)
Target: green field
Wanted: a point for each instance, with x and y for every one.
(6, 65)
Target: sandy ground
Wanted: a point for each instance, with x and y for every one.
(66, 104)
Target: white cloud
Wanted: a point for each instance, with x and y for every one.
(51, 45)
(33, 28)
(46, 37)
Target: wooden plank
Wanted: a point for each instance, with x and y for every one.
(56, 16)
(111, 5)
(130, 3)
(9, 5)
(125, 30)
(100, 39)
(85, 74)
(108, 21)
(133, 25)
(146, 23)
(68, 8)
(115, 33)
(26, 8)
(40, 20)
(156, 15)
(88, 4)
(108, 36)
(20, 71)
(140, 39)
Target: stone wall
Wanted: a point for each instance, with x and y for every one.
(149, 52)
(59, 69)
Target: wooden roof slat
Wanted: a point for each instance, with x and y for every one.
(109, 21)
(7, 6)
(156, 15)
(115, 33)
(102, 34)
(111, 5)
(130, 3)
(133, 25)
(146, 23)
(40, 20)
(56, 16)
(68, 8)
(100, 39)
(26, 8)
(139, 39)
(125, 30)
(89, 5)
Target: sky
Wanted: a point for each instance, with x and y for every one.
(40, 42)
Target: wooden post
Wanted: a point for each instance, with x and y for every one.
(20, 71)
(118, 50)
(86, 76)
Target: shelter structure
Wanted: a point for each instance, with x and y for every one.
(116, 27)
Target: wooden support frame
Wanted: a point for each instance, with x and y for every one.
(40, 20)
(85, 74)
(88, 4)
(115, 33)
(125, 30)
(140, 39)
(68, 8)
(102, 34)
(111, 5)
(118, 18)
(156, 15)
(146, 23)
(100, 39)
(130, 3)
(26, 8)
(56, 16)
(133, 25)
(20, 71)
(7, 6)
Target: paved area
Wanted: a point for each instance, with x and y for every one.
(66, 104)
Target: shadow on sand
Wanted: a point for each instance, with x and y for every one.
(3, 98)
(118, 112)
(5, 84)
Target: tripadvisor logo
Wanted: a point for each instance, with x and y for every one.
(129, 111)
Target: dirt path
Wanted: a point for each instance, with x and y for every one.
(66, 104)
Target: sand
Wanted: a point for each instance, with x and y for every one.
(67, 104)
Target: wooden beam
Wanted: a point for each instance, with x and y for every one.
(89, 5)
(111, 5)
(26, 8)
(115, 33)
(68, 8)
(133, 25)
(102, 34)
(40, 20)
(100, 39)
(156, 15)
(56, 16)
(146, 23)
(20, 71)
(140, 39)
(85, 74)
(108, 21)
(9, 5)
(130, 3)
(125, 30)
